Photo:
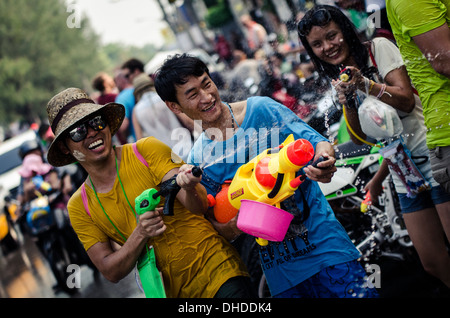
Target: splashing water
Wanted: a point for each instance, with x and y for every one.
(240, 144)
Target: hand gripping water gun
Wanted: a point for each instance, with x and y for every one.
(150, 198)
(269, 178)
(345, 75)
(149, 275)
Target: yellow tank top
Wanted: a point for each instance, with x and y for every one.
(193, 258)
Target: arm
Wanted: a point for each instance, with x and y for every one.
(192, 194)
(435, 45)
(116, 264)
(325, 169)
(375, 184)
(398, 92)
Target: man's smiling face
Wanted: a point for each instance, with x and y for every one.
(199, 99)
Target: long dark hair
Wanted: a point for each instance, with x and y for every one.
(357, 48)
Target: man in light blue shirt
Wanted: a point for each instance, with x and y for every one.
(126, 98)
(316, 258)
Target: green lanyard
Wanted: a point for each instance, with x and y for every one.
(120, 181)
(147, 249)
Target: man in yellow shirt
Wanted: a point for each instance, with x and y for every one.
(195, 261)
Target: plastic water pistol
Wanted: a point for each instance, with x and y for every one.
(345, 75)
(149, 199)
(366, 203)
(269, 178)
(41, 184)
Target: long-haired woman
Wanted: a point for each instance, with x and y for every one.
(377, 68)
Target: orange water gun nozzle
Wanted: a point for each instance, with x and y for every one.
(295, 183)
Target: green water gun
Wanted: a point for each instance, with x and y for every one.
(149, 199)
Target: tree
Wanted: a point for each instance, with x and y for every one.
(41, 53)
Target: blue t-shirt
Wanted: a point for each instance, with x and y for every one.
(126, 98)
(315, 239)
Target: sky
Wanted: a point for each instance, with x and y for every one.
(131, 22)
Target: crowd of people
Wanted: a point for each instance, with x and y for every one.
(127, 140)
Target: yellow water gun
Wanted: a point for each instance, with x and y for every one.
(268, 178)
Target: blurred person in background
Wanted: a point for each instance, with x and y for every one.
(126, 98)
(106, 86)
(151, 117)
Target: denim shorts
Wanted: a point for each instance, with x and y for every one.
(423, 200)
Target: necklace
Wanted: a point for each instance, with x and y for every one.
(103, 209)
(232, 116)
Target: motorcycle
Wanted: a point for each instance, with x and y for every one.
(378, 231)
(47, 221)
(10, 236)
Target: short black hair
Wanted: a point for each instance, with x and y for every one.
(175, 71)
(357, 48)
(133, 64)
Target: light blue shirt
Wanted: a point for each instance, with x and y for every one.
(126, 98)
(310, 246)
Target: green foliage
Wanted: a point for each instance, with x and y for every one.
(41, 55)
(218, 15)
(211, 3)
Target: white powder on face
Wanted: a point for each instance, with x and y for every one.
(79, 155)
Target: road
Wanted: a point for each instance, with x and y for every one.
(24, 273)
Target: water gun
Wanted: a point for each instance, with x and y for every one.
(269, 178)
(149, 199)
(41, 184)
(365, 205)
(345, 75)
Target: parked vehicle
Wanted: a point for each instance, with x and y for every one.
(48, 224)
(10, 162)
(380, 231)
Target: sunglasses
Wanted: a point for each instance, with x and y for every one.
(78, 133)
(319, 18)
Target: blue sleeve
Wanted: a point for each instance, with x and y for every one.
(269, 113)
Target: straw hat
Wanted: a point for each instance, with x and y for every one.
(70, 107)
